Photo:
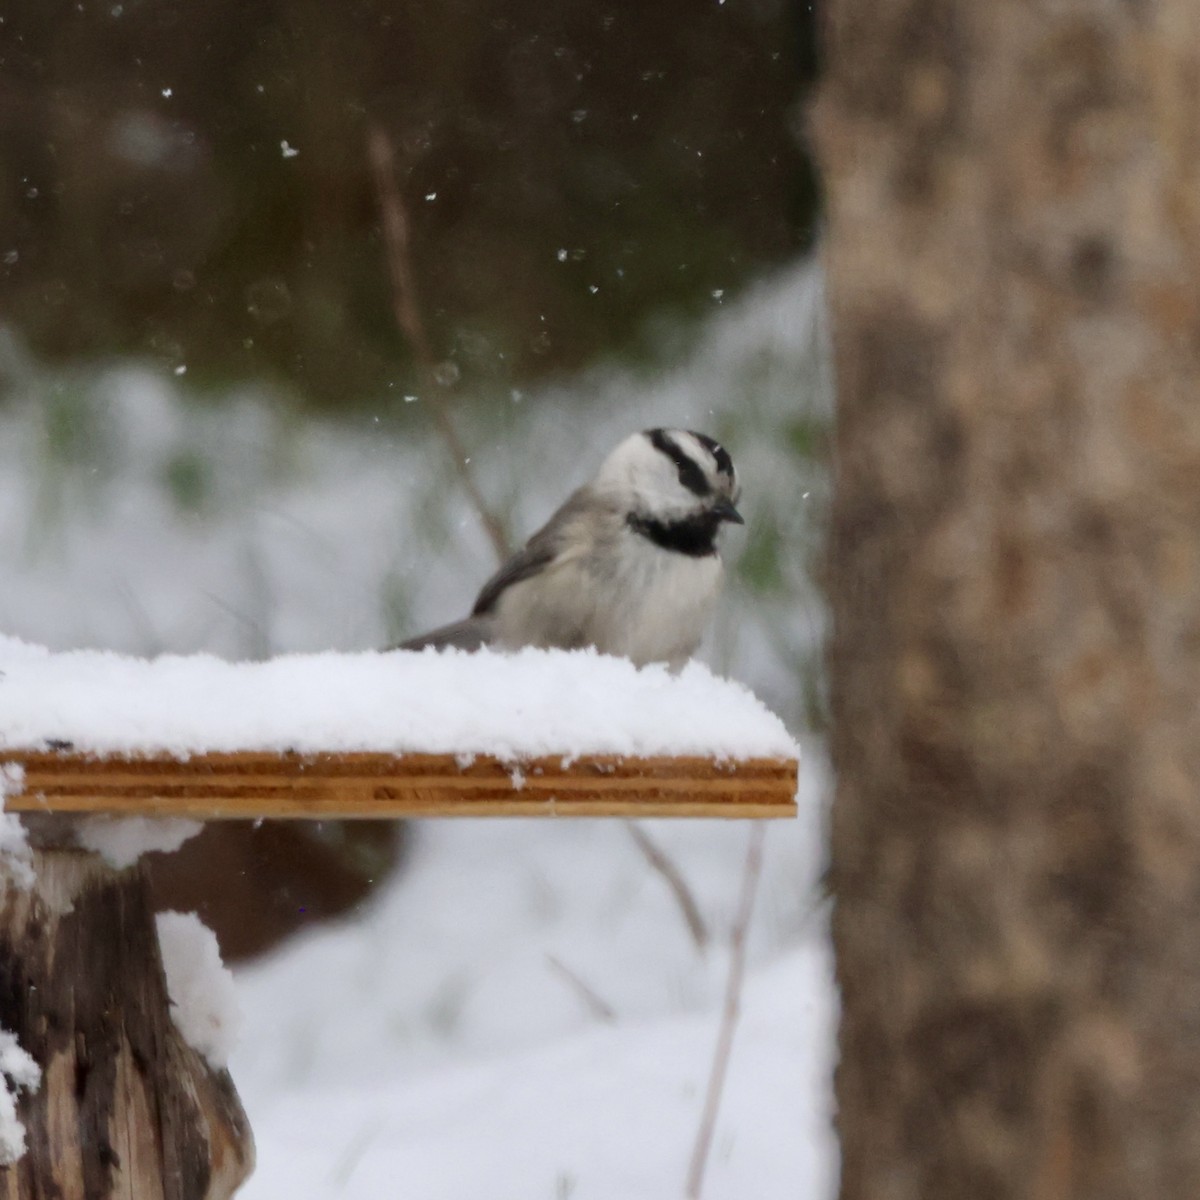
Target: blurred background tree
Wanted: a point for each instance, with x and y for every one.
(188, 182)
(1014, 249)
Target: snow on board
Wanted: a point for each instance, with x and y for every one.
(510, 706)
(332, 726)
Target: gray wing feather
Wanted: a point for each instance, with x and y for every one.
(534, 557)
(527, 562)
(542, 550)
(462, 635)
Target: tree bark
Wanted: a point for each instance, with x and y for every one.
(1014, 250)
(125, 1108)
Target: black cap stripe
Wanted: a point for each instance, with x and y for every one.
(691, 475)
(719, 453)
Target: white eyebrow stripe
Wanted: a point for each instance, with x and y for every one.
(696, 451)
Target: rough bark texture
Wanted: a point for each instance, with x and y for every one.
(125, 1107)
(1014, 250)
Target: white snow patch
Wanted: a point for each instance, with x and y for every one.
(609, 1113)
(18, 1073)
(533, 702)
(16, 858)
(121, 841)
(203, 995)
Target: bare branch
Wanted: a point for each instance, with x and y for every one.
(729, 1017)
(407, 312)
(675, 881)
(597, 1005)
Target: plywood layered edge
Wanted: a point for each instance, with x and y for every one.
(261, 784)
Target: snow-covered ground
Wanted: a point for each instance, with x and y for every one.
(606, 1113)
(445, 1042)
(436, 1047)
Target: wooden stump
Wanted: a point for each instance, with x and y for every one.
(126, 1108)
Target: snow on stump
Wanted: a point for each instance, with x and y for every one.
(124, 1105)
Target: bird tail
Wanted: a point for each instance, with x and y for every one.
(468, 634)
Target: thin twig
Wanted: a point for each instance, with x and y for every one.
(675, 881)
(596, 1003)
(729, 1017)
(407, 311)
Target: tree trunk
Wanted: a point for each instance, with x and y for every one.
(1014, 250)
(126, 1108)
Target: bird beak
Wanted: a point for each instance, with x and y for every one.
(725, 510)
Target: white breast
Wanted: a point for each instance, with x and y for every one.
(646, 603)
(661, 605)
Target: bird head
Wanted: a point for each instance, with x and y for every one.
(672, 475)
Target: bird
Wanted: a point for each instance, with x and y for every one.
(629, 564)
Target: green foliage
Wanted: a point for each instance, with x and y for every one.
(74, 432)
(759, 566)
(187, 476)
(807, 436)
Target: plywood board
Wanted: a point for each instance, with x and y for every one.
(268, 785)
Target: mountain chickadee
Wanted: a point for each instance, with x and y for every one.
(628, 564)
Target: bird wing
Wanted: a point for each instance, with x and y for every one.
(546, 547)
(469, 634)
(550, 545)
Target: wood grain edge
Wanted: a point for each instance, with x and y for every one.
(257, 784)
